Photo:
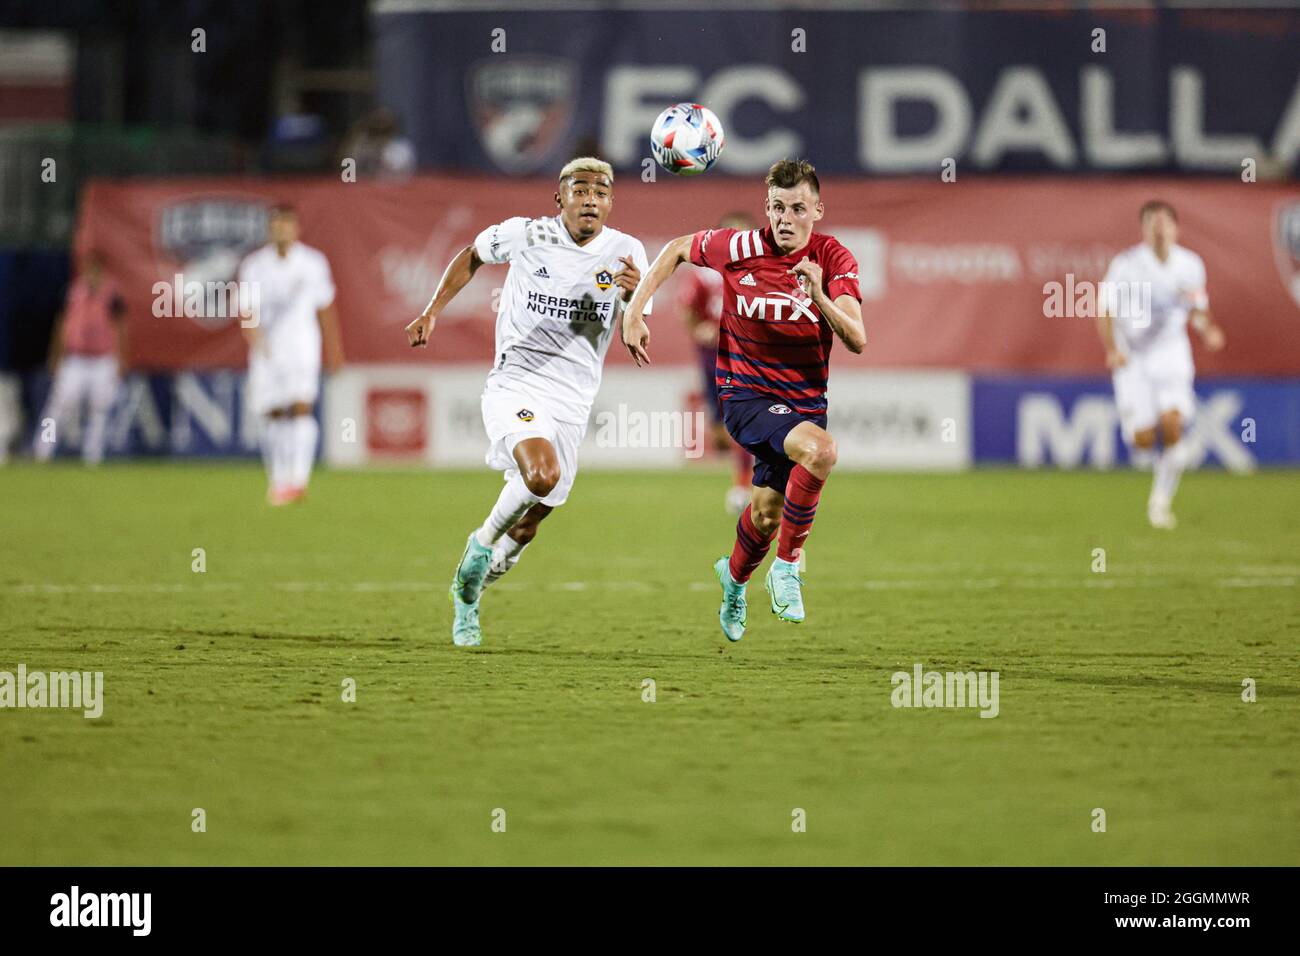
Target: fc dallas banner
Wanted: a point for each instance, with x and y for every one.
(976, 274)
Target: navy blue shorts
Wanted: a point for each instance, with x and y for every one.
(759, 425)
(709, 370)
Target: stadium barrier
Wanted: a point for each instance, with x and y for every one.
(655, 418)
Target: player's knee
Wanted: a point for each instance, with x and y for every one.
(1171, 429)
(540, 479)
(822, 456)
(524, 531)
(1145, 439)
(765, 522)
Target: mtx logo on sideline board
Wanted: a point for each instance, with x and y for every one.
(102, 909)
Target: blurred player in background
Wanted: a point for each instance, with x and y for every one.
(789, 292)
(288, 293)
(702, 309)
(1150, 293)
(569, 276)
(87, 355)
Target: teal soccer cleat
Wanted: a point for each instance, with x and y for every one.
(465, 591)
(472, 571)
(732, 613)
(464, 628)
(783, 587)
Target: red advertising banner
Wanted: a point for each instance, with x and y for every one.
(954, 275)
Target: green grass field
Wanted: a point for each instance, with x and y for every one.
(1120, 690)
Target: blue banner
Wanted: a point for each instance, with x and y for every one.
(1039, 421)
(522, 90)
(190, 414)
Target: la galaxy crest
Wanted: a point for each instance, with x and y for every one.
(604, 279)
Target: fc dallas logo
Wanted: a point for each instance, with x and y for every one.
(522, 107)
(1286, 247)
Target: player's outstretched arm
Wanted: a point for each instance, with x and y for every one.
(1106, 332)
(844, 314)
(845, 317)
(636, 334)
(1210, 332)
(328, 318)
(455, 278)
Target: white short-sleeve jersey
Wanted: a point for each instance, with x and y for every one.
(558, 309)
(1151, 300)
(284, 293)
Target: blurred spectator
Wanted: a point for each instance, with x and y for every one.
(11, 412)
(87, 354)
(376, 144)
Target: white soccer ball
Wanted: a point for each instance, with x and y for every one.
(687, 139)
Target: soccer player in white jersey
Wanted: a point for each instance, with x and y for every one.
(570, 276)
(1150, 293)
(288, 294)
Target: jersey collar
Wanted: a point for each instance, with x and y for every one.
(589, 247)
(1154, 259)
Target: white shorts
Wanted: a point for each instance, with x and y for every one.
(510, 418)
(1151, 383)
(84, 378)
(276, 382)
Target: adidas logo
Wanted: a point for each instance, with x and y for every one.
(541, 273)
(748, 279)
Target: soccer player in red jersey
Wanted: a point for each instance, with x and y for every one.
(701, 302)
(789, 292)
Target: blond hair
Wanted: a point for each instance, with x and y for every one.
(587, 164)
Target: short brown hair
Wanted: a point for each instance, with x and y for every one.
(788, 173)
(1156, 205)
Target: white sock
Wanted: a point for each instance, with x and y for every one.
(270, 452)
(504, 557)
(282, 449)
(514, 500)
(95, 435)
(1143, 458)
(1169, 468)
(304, 431)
